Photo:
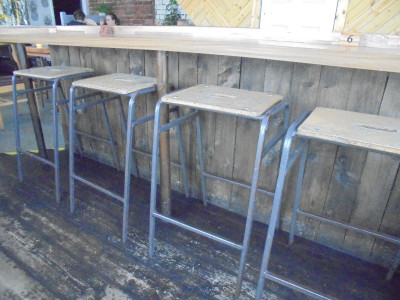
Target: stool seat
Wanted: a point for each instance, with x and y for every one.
(224, 100)
(372, 132)
(52, 72)
(118, 83)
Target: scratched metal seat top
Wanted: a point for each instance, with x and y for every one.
(377, 133)
(224, 100)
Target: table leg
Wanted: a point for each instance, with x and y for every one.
(19, 55)
(165, 172)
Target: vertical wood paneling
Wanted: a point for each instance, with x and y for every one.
(251, 78)
(60, 56)
(173, 81)
(225, 133)
(333, 92)
(277, 79)
(338, 180)
(303, 97)
(187, 78)
(207, 73)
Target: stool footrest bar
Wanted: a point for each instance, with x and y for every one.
(142, 120)
(45, 161)
(149, 155)
(293, 285)
(99, 101)
(272, 142)
(294, 155)
(237, 184)
(382, 236)
(23, 92)
(99, 188)
(93, 137)
(178, 121)
(198, 231)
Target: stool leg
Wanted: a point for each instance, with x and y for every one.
(17, 130)
(274, 213)
(121, 112)
(55, 137)
(201, 163)
(112, 143)
(252, 200)
(182, 159)
(128, 166)
(154, 173)
(296, 204)
(124, 126)
(71, 149)
(78, 142)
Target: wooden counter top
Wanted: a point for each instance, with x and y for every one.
(380, 53)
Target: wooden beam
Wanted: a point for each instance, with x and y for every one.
(165, 172)
(375, 52)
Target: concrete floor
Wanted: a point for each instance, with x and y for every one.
(28, 141)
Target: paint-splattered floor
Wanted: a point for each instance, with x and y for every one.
(48, 253)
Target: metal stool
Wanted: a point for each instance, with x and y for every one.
(345, 128)
(241, 103)
(119, 85)
(54, 75)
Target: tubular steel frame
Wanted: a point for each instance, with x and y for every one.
(286, 163)
(56, 83)
(261, 150)
(128, 126)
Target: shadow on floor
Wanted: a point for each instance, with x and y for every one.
(28, 141)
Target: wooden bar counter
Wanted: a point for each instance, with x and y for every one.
(344, 184)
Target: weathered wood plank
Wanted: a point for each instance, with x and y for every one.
(278, 76)
(382, 252)
(333, 92)
(228, 75)
(368, 86)
(377, 181)
(303, 96)
(187, 78)
(247, 131)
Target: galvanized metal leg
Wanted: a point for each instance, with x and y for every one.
(122, 113)
(154, 173)
(284, 166)
(128, 166)
(55, 137)
(124, 128)
(252, 200)
(296, 204)
(17, 130)
(112, 143)
(274, 213)
(78, 142)
(182, 159)
(201, 163)
(71, 149)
